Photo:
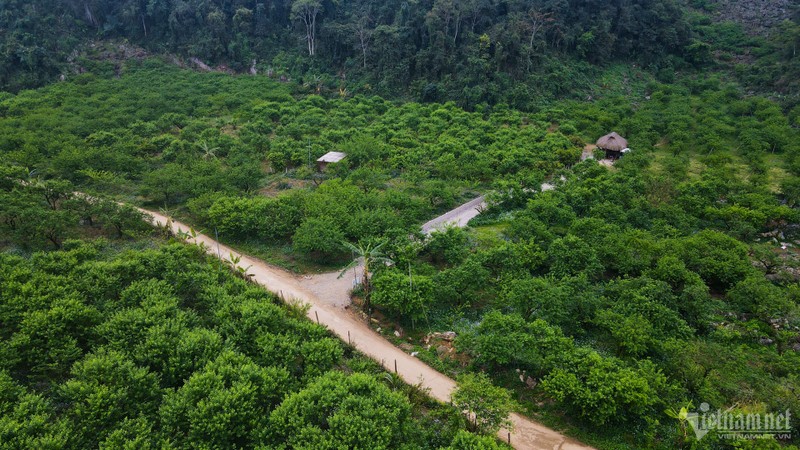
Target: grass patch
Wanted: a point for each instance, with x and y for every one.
(488, 236)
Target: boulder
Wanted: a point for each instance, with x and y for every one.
(448, 336)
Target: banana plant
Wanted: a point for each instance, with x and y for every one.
(371, 253)
(682, 415)
(241, 272)
(166, 228)
(191, 235)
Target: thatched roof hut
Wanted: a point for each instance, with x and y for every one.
(613, 142)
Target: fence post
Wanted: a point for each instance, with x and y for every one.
(317, 314)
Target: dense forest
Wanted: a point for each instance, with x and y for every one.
(472, 52)
(631, 292)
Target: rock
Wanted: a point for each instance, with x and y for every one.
(201, 65)
(796, 347)
(765, 341)
(414, 354)
(396, 333)
(530, 382)
(379, 329)
(449, 336)
(442, 350)
(757, 17)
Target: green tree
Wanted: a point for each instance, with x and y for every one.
(227, 403)
(368, 179)
(757, 295)
(106, 388)
(537, 297)
(508, 341)
(719, 259)
(448, 245)
(27, 419)
(39, 224)
(462, 285)
(50, 340)
(466, 440)
(54, 192)
(398, 293)
(175, 350)
(121, 218)
(571, 255)
(319, 235)
(132, 434)
(486, 405)
(165, 185)
(603, 391)
(336, 410)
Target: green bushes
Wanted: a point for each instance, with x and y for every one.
(402, 294)
(254, 218)
(625, 292)
(356, 411)
(603, 391)
(180, 354)
(320, 236)
(597, 388)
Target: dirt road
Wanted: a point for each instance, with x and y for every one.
(459, 216)
(328, 295)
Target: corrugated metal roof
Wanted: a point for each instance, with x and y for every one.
(332, 157)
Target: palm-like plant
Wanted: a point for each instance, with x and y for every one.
(682, 415)
(242, 272)
(315, 82)
(371, 253)
(166, 228)
(208, 152)
(191, 236)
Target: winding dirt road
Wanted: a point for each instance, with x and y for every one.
(328, 296)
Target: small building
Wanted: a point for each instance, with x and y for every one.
(329, 158)
(614, 145)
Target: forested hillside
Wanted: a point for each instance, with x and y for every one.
(473, 52)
